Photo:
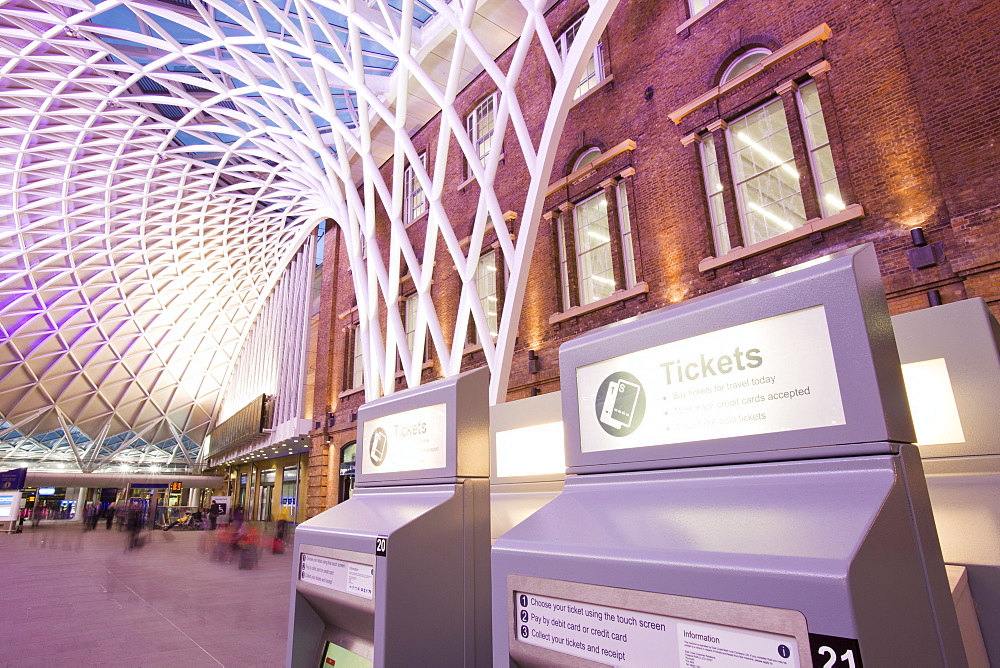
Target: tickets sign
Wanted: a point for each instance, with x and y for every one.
(413, 440)
(766, 376)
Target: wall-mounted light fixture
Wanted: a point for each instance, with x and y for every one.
(534, 392)
(331, 419)
(924, 254)
(934, 297)
(534, 364)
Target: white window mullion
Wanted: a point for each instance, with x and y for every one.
(480, 124)
(593, 73)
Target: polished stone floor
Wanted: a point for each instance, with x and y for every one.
(70, 598)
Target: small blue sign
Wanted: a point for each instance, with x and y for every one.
(13, 479)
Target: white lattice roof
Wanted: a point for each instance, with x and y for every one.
(161, 161)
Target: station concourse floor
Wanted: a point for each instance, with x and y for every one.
(75, 598)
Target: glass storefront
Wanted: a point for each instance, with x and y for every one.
(348, 456)
(289, 491)
(266, 496)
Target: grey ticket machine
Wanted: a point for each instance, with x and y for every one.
(951, 366)
(740, 491)
(398, 575)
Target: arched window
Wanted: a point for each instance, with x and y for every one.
(594, 236)
(744, 63)
(763, 184)
(588, 156)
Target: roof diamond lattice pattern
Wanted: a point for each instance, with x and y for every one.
(130, 266)
(162, 160)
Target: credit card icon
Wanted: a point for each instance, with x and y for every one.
(619, 404)
(377, 447)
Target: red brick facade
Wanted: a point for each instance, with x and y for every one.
(908, 93)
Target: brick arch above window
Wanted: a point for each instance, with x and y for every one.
(742, 63)
(714, 73)
(573, 162)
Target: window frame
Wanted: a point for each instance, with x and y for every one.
(472, 339)
(719, 224)
(740, 181)
(411, 334)
(413, 210)
(604, 248)
(727, 74)
(826, 207)
(473, 122)
(356, 373)
(592, 77)
(809, 189)
(627, 234)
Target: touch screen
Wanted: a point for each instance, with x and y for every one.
(335, 655)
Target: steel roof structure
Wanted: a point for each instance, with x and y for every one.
(162, 160)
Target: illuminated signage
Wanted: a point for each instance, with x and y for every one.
(527, 451)
(771, 375)
(10, 504)
(46, 491)
(176, 486)
(932, 403)
(409, 441)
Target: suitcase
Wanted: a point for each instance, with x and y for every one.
(248, 558)
(278, 547)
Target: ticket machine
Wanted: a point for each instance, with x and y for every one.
(398, 575)
(951, 366)
(740, 491)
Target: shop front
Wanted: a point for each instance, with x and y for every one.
(269, 490)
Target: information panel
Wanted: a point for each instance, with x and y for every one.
(344, 576)
(408, 441)
(616, 636)
(10, 506)
(770, 375)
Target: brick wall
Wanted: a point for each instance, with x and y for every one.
(912, 114)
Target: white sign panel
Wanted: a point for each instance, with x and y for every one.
(344, 576)
(408, 441)
(10, 506)
(535, 450)
(770, 375)
(932, 402)
(619, 637)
